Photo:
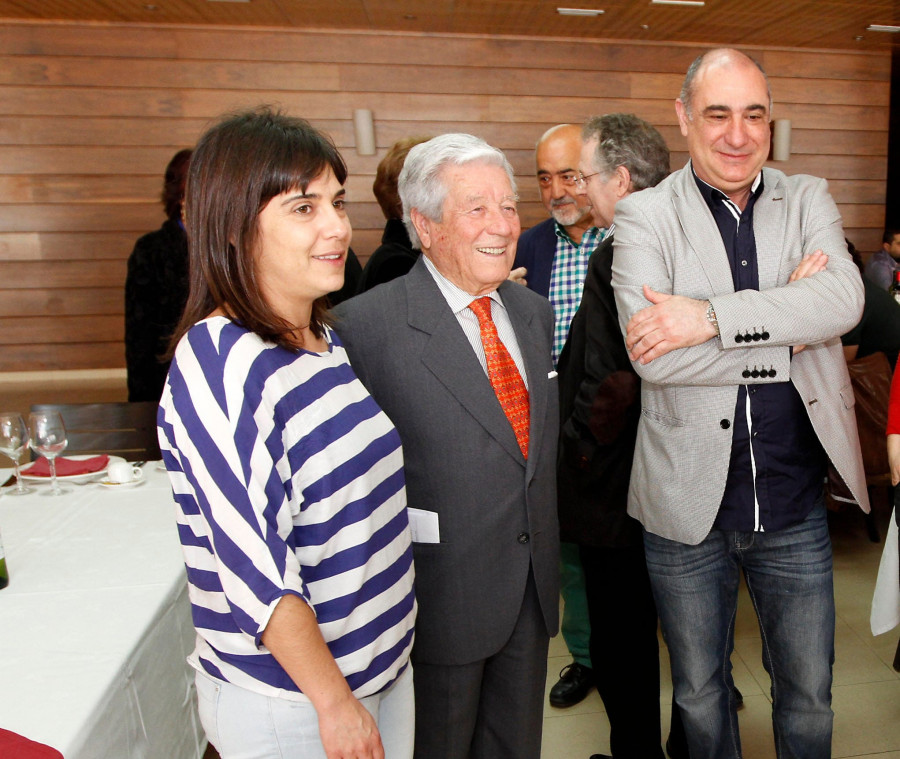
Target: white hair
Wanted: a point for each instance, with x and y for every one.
(421, 183)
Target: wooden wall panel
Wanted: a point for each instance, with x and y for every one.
(73, 354)
(62, 301)
(65, 246)
(92, 41)
(72, 217)
(173, 74)
(68, 188)
(63, 274)
(56, 129)
(45, 329)
(90, 160)
(91, 113)
(857, 191)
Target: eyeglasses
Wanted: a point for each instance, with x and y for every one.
(582, 180)
(569, 179)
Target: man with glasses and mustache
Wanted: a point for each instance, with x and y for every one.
(555, 257)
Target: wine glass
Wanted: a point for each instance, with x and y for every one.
(13, 442)
(47, 435)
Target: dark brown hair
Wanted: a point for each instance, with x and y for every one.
(173, 185)
(385, 184)
(238, 166)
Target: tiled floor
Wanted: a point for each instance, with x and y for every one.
(866, 689)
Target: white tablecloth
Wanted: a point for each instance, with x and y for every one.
(95, 624)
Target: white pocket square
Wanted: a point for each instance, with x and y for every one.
(551, 375)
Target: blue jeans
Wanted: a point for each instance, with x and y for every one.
(789, 576)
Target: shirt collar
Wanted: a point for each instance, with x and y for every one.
(712, 194)
(457, 298)
(588, 233)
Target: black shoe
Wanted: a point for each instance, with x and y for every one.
(575, 682)
(738, 697)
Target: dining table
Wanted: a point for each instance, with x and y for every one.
(95, 623)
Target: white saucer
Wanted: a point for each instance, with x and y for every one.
(120, 485)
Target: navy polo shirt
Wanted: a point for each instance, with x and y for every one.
(777, 463)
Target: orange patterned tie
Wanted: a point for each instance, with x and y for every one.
(504, 376)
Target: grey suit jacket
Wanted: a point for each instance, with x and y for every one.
(497, 512)
(667, 238)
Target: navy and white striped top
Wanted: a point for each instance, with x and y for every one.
(288, 479)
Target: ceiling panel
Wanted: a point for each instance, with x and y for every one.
(835, 24)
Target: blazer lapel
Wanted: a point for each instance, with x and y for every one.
(702, 234)
(448, 355)
(769, 229)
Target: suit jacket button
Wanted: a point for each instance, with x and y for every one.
(739, 338)
(748, 337)
(757, 337)
(772, 372)
(724, 424)
(754, 373)
(763, 373)
(745, 374)
(523, 538)
(765, 335)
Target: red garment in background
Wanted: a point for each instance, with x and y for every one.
(893, 425)
(14, 746)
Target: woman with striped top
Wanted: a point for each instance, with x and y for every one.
(287, 475)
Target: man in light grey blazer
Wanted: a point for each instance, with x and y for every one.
(482, 499)
(733, 285)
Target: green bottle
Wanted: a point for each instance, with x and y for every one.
(4, 575)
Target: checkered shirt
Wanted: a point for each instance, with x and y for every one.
(570, 266)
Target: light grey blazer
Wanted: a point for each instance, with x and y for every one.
(666, 237)
(497, 512)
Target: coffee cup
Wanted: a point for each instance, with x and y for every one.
(122, 472)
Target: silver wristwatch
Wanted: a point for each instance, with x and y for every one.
(711, 317)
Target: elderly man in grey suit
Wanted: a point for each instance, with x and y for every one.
(733, 285)
(459, 358)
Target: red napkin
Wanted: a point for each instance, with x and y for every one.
(14, 746)
(67, 467)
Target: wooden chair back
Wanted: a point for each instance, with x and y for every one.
(122, 429)
(871, 380)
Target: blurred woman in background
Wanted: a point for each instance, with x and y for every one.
(395, 256)
(156, 289)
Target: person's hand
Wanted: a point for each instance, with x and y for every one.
(348, 731)
(809, 265)
(673, 321)
(518, 276)
(893, 451)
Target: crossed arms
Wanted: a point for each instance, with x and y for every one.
(663, 288)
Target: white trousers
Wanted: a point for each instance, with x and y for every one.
(246, 725)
